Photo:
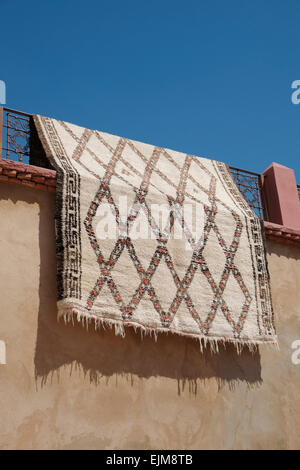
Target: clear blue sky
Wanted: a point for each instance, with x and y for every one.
(210, 78)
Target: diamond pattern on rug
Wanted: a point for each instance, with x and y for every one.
(206, 291)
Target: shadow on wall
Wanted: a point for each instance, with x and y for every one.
(101, 354)
(286, 251)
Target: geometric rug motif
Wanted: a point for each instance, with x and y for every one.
(211, 283)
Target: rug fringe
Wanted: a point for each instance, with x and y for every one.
(70, 315)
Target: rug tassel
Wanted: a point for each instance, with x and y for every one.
(69, 315)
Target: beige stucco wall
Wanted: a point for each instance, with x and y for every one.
(65, 388)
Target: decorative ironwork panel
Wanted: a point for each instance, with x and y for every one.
(15, 136)
(19, 142)
(250, 187)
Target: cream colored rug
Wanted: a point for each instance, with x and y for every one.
(154, 239)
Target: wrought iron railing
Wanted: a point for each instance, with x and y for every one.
(15, 135)
(19, 142)
(250, 186)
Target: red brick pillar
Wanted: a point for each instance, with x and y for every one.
(280, 189)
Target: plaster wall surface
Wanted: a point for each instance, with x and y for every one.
(65, 388)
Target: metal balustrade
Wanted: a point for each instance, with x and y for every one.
(250, 186)
(19, 142)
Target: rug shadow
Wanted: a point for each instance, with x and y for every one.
(101, 354)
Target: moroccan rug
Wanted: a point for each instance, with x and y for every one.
(154, 239)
